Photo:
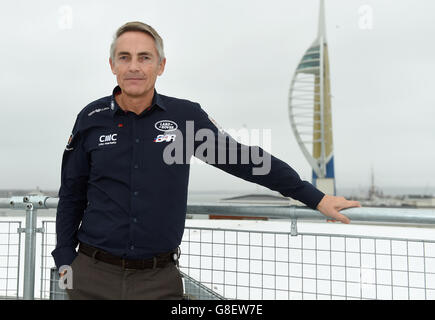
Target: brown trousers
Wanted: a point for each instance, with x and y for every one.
(93, 279)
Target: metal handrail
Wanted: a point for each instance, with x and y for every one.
(361, 214)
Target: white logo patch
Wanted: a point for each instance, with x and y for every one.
(165, 138)
(108, 139)
(166, 125)
(97, 110)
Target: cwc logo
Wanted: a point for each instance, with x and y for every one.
(108, 139)
(165, 138)
(166, 125)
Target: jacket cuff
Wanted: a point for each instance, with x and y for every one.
(309, 195)
(64, 256)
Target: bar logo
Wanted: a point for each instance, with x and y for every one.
(165, 138)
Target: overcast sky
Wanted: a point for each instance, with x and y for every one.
(236, 58)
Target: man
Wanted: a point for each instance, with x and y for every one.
(123, 197)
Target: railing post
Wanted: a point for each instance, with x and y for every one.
(30, 253)
(30, 204)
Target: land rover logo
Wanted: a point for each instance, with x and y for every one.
(166, 125)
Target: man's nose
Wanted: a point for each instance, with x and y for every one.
(134, 65)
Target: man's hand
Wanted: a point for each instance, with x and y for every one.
(331, 205)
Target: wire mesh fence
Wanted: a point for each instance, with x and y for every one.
(10, 246)
(225, 263)
(275, 265)
(49, 278)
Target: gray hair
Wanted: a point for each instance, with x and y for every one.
(141, 27)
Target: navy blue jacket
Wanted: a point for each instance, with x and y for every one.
(120, 193)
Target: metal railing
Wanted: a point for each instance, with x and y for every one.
(251, 262)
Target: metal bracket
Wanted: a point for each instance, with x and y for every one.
(294, 222)
(24, 230)
(294, 227)
(30, 202)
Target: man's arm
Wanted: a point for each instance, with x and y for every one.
(280, 177)
(72, 198)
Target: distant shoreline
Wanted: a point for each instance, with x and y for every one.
(346, 192)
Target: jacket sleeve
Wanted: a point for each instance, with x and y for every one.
(72, 198)
(250, 163)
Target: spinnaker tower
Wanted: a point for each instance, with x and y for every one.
(310, 109)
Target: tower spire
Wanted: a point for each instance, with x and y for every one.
(321, 33)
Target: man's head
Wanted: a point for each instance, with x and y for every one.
(137, 58)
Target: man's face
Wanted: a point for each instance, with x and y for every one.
(136, 63)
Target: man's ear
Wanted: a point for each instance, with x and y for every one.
(161, 67)
(112, 65)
